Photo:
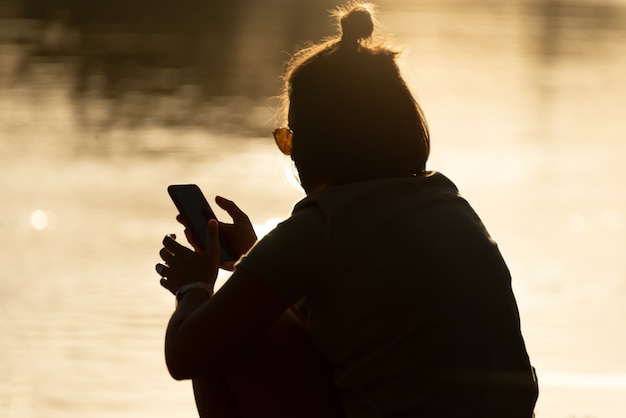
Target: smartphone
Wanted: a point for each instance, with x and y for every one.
(192, 204)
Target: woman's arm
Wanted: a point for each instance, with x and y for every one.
(204, 333)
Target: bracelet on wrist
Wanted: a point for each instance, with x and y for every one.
(193, 285)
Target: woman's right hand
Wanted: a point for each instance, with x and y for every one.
(239, 234)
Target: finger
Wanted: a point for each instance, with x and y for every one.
(161, 269)
(231, 208)
(171, 244)
(213, 245)
(166, 256)
(189, 235)
(165, 283)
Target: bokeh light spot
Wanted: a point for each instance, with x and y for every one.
(39, 220)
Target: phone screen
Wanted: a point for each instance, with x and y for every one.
(191, 204)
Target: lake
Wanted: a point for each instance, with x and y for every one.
(526, 103)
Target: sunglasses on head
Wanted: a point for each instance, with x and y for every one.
(284, 139)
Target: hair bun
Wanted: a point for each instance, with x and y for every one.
(356, 24)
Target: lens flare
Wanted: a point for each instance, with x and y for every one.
(39, 220)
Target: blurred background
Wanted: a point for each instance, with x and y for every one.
(105, 103)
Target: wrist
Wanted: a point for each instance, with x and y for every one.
(193, 286)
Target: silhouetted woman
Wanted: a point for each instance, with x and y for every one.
(407, 308)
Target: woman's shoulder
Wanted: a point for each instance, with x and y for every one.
(344, 197)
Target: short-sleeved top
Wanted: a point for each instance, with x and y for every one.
(407, 297)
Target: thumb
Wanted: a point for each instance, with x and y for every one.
(231, 208)
(213, 241)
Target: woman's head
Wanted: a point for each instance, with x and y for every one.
(352, 115)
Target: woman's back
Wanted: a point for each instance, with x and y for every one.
(407, 298)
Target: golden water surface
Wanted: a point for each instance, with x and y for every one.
(527, 112)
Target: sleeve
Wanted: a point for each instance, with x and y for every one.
(290, 258)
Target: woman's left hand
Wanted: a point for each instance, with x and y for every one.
(183, 265)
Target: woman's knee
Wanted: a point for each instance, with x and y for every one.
(283, 375)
